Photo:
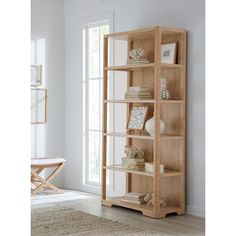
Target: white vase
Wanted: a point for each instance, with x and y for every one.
(149, 126)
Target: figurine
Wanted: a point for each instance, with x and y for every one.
(133, 152)
(136, 53)
(137, 56)
(149, 200)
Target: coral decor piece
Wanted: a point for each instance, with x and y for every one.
(133, 152)
(136, 53)
(149, 200)
(137, 56)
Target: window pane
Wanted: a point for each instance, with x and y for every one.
(94, 105)
(93, 39)
(94, 157)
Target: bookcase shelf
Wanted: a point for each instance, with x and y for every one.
(144, 101)
(148, 137)
(118, 167)
(141, 67)
(130, 101)
(131, 67)
(144, 208)
(124, 135)
(167, 148)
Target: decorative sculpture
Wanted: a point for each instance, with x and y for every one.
(137, 56)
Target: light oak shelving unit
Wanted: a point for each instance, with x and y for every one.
(167, 148)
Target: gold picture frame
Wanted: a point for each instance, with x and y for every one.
(137, 119)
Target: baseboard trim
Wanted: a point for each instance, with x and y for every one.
(195, 211)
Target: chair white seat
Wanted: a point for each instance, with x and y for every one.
(47, 161)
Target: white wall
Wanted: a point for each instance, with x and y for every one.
(47, 21)
(128, 15)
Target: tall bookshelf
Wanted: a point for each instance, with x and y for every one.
(167, 148)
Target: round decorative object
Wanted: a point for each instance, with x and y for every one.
(149, 126)
(136, 53)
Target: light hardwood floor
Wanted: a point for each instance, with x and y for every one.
(171, 225)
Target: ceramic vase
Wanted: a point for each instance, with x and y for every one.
(149, 126)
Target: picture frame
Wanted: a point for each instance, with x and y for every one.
(38, 106)
(137, 119)
(36, 75)
(168, 53)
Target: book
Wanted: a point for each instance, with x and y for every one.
(138, 93)
(130, 201)
(135, 195)
(138, 97)
(133, 199)
(138, 89)
(133, 163)
(133, 61)
(136, 160)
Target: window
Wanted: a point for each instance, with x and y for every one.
(92, 85)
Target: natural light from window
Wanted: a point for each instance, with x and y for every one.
(93, 67)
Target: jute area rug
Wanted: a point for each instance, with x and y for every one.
(58, 220)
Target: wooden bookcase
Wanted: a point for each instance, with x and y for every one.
(167, 148)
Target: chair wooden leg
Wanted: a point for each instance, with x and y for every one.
(44, 183)
(38, 171)
(55, 172)
(41, 181)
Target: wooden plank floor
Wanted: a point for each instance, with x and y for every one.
(171, 225)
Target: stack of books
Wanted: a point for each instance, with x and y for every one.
(133, 163)
(137, 92)
(132, 61)
(133, 197)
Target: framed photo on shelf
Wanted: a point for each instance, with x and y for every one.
(38, 106)
(168, 53)
(36, 75)
(137, 118)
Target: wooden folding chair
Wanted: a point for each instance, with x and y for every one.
(37, 166)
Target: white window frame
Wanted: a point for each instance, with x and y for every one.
(88, 23)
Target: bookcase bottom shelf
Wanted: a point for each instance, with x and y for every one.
(143, 208)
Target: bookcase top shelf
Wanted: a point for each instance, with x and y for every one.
(144, 33)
